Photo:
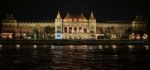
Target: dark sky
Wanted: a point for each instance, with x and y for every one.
(47, 9)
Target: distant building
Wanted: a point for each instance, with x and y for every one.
(71, 27)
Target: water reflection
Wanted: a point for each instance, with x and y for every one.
(45, 46)
(114, 47)
(100, 47)
(34, 46)
(52, 47)
(106, 46)
(130, 46)
(146, 47)
(17, 46)
(1, 46)
(74, 57)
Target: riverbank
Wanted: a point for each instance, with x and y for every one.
(75, 42)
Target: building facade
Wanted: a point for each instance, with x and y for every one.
(71, 27)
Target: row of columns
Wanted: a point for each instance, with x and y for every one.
(74, 29)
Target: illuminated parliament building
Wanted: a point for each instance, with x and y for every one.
(73, 27)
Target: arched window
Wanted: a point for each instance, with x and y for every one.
(75, 29)
(65, 29)
(80, 28)
(85, 30)
(70, 29)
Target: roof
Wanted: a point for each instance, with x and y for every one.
(120, 22)
(35, 21)
(79, 18)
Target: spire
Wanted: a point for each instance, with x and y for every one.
(7, 15)
(58, 15)
(137, 16)
(82, 14)
(10, 16)
(92, 16)
(67, 14)
(82, 18)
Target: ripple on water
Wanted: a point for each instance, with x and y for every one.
(74, 59)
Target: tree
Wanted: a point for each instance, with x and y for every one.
(47, 30)
(35, 34)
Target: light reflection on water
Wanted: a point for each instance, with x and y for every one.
(74, 57)
(146, 47)
(17, 46)
(1, 46)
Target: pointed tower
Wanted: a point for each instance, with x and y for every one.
(82, 15)
(67, 18)
(139, 25)
(9, 21)
(83, 19)
(92, 18)
(58, 15)
(9, 25)
(58, 26)
(68, 15)
(92, 26)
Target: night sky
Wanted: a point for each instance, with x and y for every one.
(123, 10)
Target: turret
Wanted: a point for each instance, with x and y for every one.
(9, 19)
(139, 25)
(83, 19)
(9, 24)
(58, 16)
(67, 18)
(92, 26)
(92, 18)
(58, 27)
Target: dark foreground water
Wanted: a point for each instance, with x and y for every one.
(74, 57)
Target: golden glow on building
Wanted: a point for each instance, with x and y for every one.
(73, 27)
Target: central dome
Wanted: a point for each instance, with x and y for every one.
(75, 18)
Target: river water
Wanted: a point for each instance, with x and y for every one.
(74, 57)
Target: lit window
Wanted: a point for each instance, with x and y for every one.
(92, 27)
(92, 35)
(91, 31)
(58, 31)
(58, 27)
(58, 35)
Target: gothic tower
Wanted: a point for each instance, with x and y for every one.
(92, 26)
(58, 27)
